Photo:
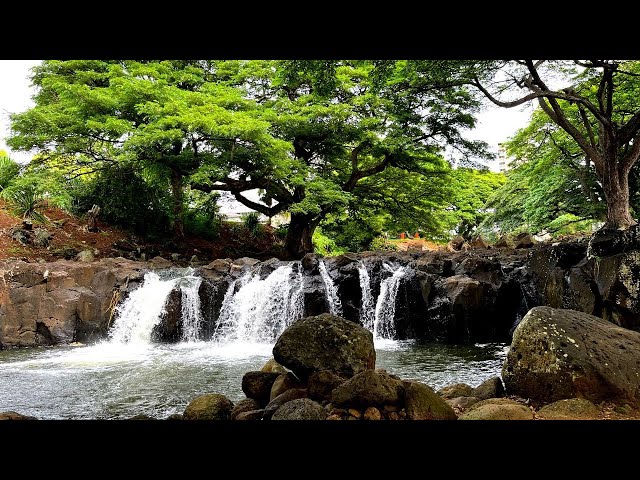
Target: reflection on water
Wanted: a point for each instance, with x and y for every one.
(113, 380)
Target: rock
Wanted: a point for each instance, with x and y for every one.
(618, 280)
(498, 409)
(456, 390)
(15, 416)
(456, 243)
(478, 242)
(557, 354)
(160, 263)
(85, 256)
(524, 240)
(169, 328)
(607, 241)
(246, 405)
(368, 388)
(273, 367)
(325, 342)
(320, 384)
(422, 403)
(280, 400)
(41, 237)
(250, 415)
(257, 385)
(211, 406)
(503, 242)
(393, 416)
(175, 416)
(300, 409)
(142, 416)
(490, 388)
(462, 403)
(570, 409)
(372, 413)
(334, 417)
(354, 413)
(284, 382)
(310, 262)
(242, 265)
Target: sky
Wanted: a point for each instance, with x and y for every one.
(495, 124)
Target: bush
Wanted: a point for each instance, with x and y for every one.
(26, 202)
(126, 200)
(251, 222)
(325, 246)
(8, 171)
(202, 217)
(382, 243)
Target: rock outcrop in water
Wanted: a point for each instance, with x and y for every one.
(558, 354)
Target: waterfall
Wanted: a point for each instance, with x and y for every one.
(383, 326)
(260, 309)
(191, 314)
(335, 307)
(367, 309)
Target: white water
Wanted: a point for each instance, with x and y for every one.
(260, 310)
(383, 325)
(335, 307)
(143, 308)
(367, 308)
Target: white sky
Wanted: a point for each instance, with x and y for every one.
(495, 124)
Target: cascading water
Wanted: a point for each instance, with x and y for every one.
(383, 326)
(367, 309)
(335, 306)
(260, 309)
(143, 309)
(191, 314)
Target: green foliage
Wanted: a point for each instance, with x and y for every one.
(26, 202)
(325, 246)
(251, 221)
(382, 243)
(8, 171)
(202, 217)
(125, 199)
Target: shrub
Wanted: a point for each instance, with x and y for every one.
(251, 222)
(8, 171)
(26, 202)
(382, 243)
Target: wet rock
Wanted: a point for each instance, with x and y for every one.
(498, 409)
(322, 383)
(257, 385)
(142, 416)
(280, 400)
(242, 265)
(557, 354)
(169, 328)
(273, 367)
(607, 241)
(618, 282)
(456, 390)
(159, 263)
(372, 413)
(524, 240)
(490, 388)
(462, 403)
(175, 416)
(211, 406)
(569, 409)
(310, 263)
(284, 382)
(250, 415)
(15, 416)
(422, 403)
(368, 388)
(300, 409)
(325, 342)
(246, 405)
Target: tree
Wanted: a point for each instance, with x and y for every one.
(362, 132)
(599, 109)
(162, 118)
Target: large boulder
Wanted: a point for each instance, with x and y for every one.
(322, 383)
(281, 399)
(300, 409)
(257, 385)
(273, 367)
(570, 409)
(455, 390)
(422, 403)
(211, 406)
(524, 240)
(498, 409)
(284, 382)
(557, 354)
(246, 405)
(368, 388)
(325, 342)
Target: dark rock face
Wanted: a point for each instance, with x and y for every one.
(284, 382)
(557, 354)
(456, 390)
(325, 342)
(257, 385)
(368, 388)
(169, 328)
(15, 416)
(211, 406)
(498, 409)
(322, 383)
(246, 405)
(490, 388)
(569, 409)
(281, 399)
(300, 409)
(606, 241)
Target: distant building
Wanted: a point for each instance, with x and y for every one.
(503, 164)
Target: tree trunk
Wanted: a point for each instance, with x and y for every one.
(177, 188)
(615, 184)
(298, 241)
